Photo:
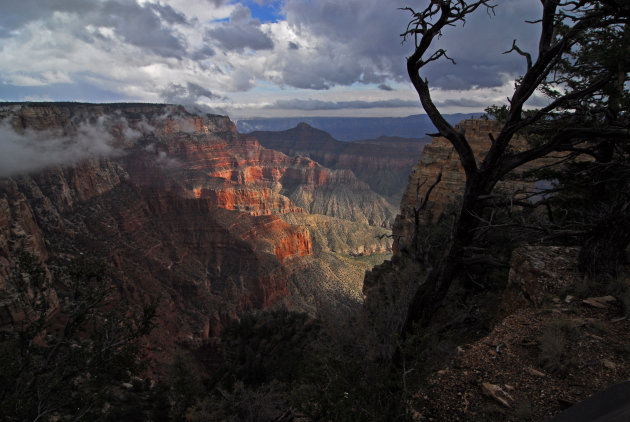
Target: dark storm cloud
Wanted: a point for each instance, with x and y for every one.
(15, 14)
(189, 96)
(204, 53)
(362, 43)
(298, 104)
(385, 87)
(168, 14)
(200, 91)
(357, 41)
(142, 26)
(478, 47)
(216, 3)
(293, 46)
(240, 33)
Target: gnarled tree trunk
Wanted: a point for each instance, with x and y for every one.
(430, 294)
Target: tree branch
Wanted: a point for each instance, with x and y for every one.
(527, 56)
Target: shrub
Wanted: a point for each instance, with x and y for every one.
(555, 345)
(69, 373)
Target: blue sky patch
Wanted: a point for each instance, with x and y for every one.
(268, 12)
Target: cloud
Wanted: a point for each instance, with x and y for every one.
(310, 104)
(217, 2)
(161, 50)
(357, 41)
(462, 102)
(16, 14)
(191, 97)
(165, 160)
(203, 53)
(30, 151)
(144, 26)
(240, 33)
(180, 94)
(148, 26)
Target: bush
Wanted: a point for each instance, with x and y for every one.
(555, 345)
(66, 373)
(267, 346)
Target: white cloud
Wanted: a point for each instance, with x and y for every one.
(140, 51)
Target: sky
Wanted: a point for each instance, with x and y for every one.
(254, 58)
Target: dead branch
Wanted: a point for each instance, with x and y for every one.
(527, 56)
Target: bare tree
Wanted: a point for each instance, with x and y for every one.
(559, 126)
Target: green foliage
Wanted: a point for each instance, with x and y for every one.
(184, 387)
(280, 363)
(63, 365)
(267, 346)
(497, 112)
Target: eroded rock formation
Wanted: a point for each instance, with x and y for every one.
(383, 163)
(439, 160)
(182, 208)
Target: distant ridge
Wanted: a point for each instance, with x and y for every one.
(355, 128)
(383, 163)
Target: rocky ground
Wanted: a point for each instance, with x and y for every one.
(548, 353)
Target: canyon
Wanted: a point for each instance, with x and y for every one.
(185, 209)
(383, 163)
(217, 227)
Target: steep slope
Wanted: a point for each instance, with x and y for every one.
(440, 158)
(181, 207)
(523, 352)
(542, 356)
(342, 252)
(397, 279)
(342, 236)
(383, 163)
(206, 265)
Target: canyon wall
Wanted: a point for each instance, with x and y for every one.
(182, 208)
(383, 163)
(439, 158)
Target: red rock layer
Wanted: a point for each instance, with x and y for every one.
(162, 216)
(186, 210)
(239, 174)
